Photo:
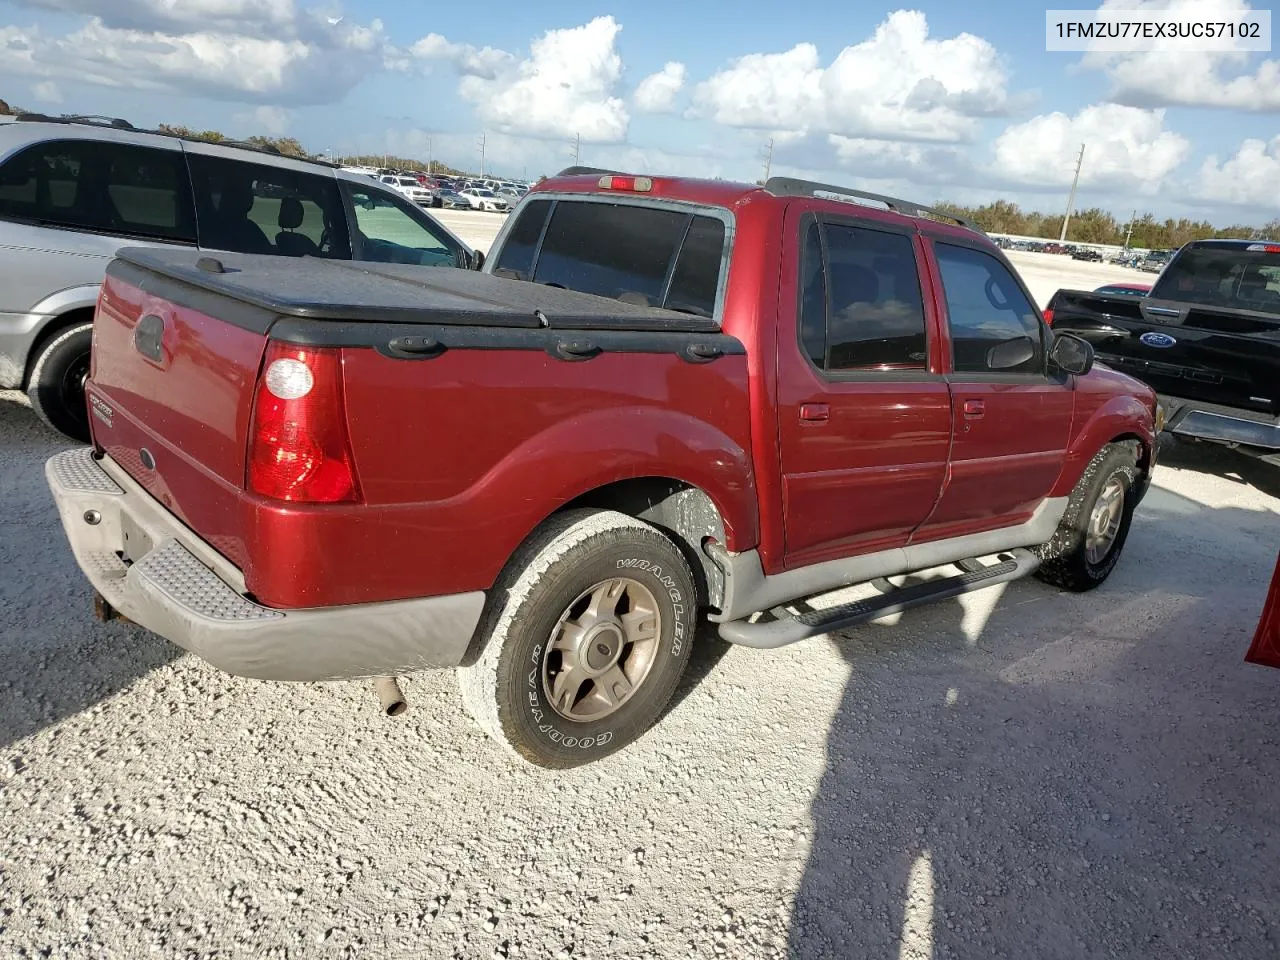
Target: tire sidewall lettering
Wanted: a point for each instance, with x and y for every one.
(673, 594)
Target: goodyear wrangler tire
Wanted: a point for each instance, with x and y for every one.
(1095, 526)
(56, 385)
(589, 632)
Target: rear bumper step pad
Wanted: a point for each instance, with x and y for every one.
(1012, 565)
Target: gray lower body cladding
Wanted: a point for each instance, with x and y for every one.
(189, 594)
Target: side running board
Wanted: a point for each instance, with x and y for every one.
(779, 633)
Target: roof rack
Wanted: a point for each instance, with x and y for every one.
(91, 119)
(791, 187)
(117, 124)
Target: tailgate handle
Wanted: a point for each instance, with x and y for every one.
(975, 408)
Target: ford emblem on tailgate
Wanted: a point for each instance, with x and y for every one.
(1161, 340)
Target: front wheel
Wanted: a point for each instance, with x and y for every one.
(1095, 526)
(56, 386)
(588, 635)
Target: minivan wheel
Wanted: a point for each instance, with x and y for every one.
(588, 633)
(56, 386)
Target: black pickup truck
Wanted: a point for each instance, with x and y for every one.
(1207, 338)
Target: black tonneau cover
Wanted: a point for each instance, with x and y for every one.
(353, 292)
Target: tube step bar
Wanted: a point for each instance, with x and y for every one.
(1010, 565)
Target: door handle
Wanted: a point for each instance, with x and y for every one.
(973, 409)
(814, 411)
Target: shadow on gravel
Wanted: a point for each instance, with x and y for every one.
(1079, 776)
(1220, 461)
(708, 651)
(55, 659)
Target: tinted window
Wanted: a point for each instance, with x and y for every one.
(637, 254)
(252, 208)
(697, 273)
(876, 316)
(861, 307)
(107, 187)
(1223, 277)
(522, 241)
(985, 307)
(813, 304)
(389, 230)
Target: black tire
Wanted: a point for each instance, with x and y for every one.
(56, 385)
(1065, 559)
(506, 689)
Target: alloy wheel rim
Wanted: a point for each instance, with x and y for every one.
(1104, 521)
(602, 649)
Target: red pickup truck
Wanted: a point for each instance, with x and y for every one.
(661, 399)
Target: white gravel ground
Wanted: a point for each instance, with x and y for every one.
(1021, 774)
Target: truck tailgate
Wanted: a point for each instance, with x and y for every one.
(170, 396)
(1217, 356)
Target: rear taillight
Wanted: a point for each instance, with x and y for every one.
(1048, 316)
(298, 445)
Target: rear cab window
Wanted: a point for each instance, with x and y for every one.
(1237, 276)
(640, 253)
(114, 188)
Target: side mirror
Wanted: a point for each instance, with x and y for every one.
(1011, 354)
(1072, 354)
(477, 259)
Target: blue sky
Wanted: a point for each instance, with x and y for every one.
(935, 100)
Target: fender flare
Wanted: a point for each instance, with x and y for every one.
(1119, 418)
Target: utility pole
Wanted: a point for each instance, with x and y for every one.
(768, 160)
(431, 149)
(482, 137)
(1071, 200)
(1129, 232)
(577, 148)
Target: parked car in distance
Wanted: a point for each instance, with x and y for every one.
(410, 188)
(481, 199)
(1092, 256)
(698, 397)
(453, 201)
(1206, 337)
(72, 191)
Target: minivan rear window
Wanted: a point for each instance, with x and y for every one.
(1230, 277)
(114, 188)
(641, 254)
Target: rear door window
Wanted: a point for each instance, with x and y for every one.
(113, 188)
(254, 208)
(646, 255)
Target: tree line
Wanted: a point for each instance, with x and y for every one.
(1098, 226)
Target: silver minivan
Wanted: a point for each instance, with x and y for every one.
(73, 190)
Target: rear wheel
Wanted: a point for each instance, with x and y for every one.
(56, 386)
(588, 636)
(1093, 531)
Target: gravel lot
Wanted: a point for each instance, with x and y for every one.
(1020, 774)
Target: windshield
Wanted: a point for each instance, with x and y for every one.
(1234, 277)
(484, 193)
(407, 182)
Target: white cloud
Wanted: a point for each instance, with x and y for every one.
(899, 84)
(1125, 148)
(656, 93)
(273, 121)
(305, 60)
(1177, 77)
(46, 91)
(566, 87)
(239, 15)
(1247, 179)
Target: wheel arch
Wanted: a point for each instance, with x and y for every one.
(49, 332)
